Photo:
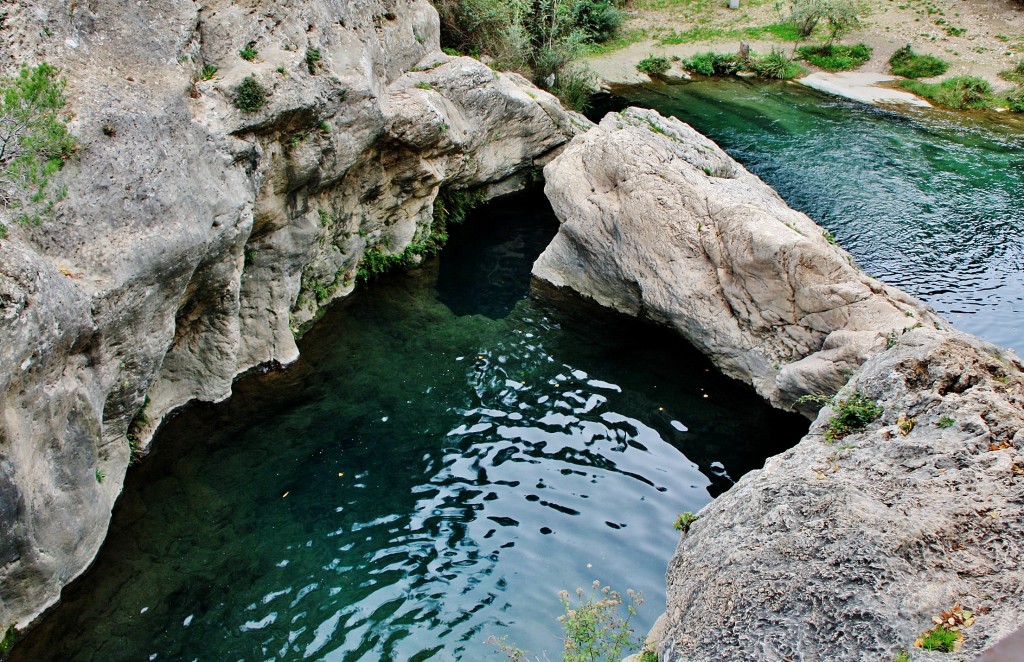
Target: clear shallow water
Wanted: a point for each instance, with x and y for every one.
(447, 454)
(930, 201)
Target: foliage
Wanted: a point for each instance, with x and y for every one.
(100, 475)
(34, 140)
(939, 639)
(249, 53)
(840, 17)
(946, 422)
(7, 641)
(957, 93)
(537, 38)
(594, 629)
(1015, 75)
(848, 416)
(835, 57)
(453, 205)
(775, 65)
(712, 64)
(208, 71)
(1015, 100)
(901, 656)
(905, 62)
(684, 521)
(250, 96)
(648, 656)
(785, 31)
(653, 65)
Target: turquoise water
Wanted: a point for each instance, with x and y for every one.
(449, 452)
(930, 201)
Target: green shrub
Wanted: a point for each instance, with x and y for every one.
(250, 96)
(848, 416)
(653, 65)
(1015, 75)
(835, 57)
(957, 93)
(574, 86)
(249, 53)
(600, 21)
(905, 62)
(34, 140)
(648, 656)
(712, 64)
(1015, 100)
(776, 65)
(939, 639)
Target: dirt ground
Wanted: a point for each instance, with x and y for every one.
(977, 37)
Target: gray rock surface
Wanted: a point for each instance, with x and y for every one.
(834, 551)
(196, 240)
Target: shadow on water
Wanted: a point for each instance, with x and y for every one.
(927, 200)
(449, 451)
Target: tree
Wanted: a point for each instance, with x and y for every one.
(34, 140)
(840, 16)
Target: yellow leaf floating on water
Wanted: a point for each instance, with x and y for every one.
(285, 494)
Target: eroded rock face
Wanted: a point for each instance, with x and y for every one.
(658, 221)
(196, 239)
(834, 551)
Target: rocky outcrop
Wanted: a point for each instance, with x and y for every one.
(658, 221)
(842, 549)
(195, 240)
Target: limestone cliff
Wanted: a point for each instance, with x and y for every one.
(195, 239)
(834, 551)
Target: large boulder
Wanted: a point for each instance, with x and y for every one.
(839, 549)
(658, 221)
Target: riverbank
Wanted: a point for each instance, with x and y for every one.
(975, 38)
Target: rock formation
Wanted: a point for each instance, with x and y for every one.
(196, 239)
(843, 549)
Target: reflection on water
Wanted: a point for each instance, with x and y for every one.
(927, 200)
(431, 472)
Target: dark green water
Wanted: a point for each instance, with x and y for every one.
(930, 201)
(447, 454)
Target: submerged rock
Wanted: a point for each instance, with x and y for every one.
(841, 549)
(196, 239)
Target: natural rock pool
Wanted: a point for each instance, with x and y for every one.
(927, 200)
(450, 450)
(447, 454)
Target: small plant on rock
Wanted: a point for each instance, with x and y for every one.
(684, 521)
(208, 71)
(848, 416)
(250, 96)
(313, 59)
(939, 639)
(249, 53)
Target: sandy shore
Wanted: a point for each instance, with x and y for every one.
(976, 37)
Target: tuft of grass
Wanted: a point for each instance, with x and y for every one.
(100, 475)
(250, 96)
(208, 71)
(1015, 75)
(653, 65)
(957, 93)
(249, 53)
(1015, 100)
(648, 656)
(905, 62)
(776, 65)
(901, 656)
(946, 422)
(939, 639)
(423, 85)
(835, 57)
